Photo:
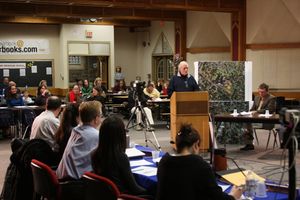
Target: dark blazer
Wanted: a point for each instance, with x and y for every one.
(269, 104)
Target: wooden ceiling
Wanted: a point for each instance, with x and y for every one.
(130, 13)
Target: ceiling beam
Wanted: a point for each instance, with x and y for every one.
(57, 20)
(200, 5)
(39, 10)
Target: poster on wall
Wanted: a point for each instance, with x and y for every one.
(24, 47)
(225, 80)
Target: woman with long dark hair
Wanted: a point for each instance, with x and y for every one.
(13, 98)
(42, 95)
(97, 96)
(110, 160)
(69, 120)
(186, 175)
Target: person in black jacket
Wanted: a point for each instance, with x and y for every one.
(109, 158)
(186, 175)
(97, 96)
(42, 95)
(182, 82)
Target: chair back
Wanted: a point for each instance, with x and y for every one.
(7, 117)
(45, 181)
(280, 103)
(28, 117)
(99, 187)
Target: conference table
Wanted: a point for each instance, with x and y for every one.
(249, 118)
(18, 115)
(150, 182)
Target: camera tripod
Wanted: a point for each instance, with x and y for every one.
(145, 124)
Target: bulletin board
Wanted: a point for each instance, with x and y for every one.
(28, 73)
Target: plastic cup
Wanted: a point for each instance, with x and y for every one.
(235, 111)
(155, 154)
(267, 112)
(261, 190)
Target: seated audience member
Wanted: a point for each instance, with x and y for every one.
(96, 96)
(164, 90)
(4, 85)
(109, 159)
(134, 98)
(46, 124)
(74, 95)
(265, 101)
(11, 83)
(42, 95)
(98, 82)
(13, 98)
(120, 87)
(86, 89)
(26, 98)
(43, 82)
(79, 82)
(159, 85)
(151, 92)
(186, 175)
(69, 120)
(76, 158)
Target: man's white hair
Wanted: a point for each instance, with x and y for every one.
(181, 64)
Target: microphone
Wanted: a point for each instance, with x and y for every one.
(236, 166)
(221, 153)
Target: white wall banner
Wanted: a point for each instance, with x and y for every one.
(12, 65)
(24, 47)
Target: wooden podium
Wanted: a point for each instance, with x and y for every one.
(191, 108)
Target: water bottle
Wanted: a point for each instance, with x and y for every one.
(250, 185)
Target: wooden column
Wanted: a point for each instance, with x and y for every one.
(238, 34)
(180, 37)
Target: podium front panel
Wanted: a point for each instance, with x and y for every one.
(200, 123)
(192, 107)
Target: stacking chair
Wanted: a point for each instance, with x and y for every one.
(47, 186)
(272, 131)
(98, 187)
(45, 181)
(28, 116)
(7, 120)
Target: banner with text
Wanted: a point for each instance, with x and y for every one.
(24, 47)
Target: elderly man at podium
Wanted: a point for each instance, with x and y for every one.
(182, 82)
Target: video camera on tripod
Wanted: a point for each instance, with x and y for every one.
(138, 90)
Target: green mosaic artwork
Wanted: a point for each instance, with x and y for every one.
(225, 81)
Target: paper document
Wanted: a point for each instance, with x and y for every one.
(264, 115)
(142, 162)
(224, 187)
(145, 170)
(246, 113)
(238, 179)
(133, 152)
(156, 160)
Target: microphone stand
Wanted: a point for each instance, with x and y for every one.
(292, 170)
(236, 166)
